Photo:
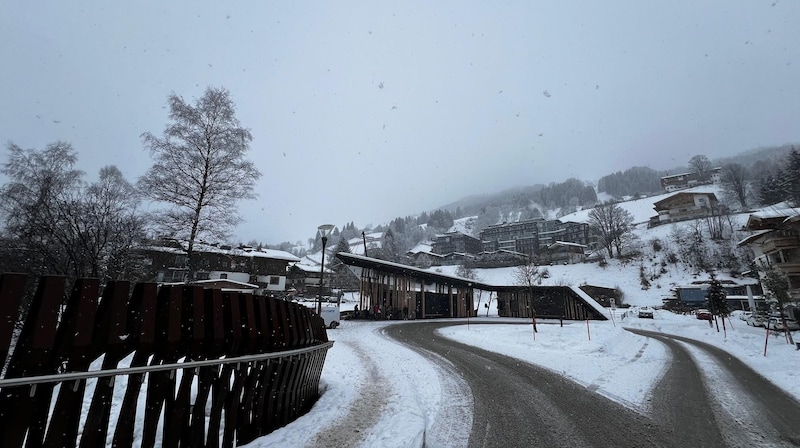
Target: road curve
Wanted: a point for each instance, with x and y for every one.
(762, 415)
(517, 404)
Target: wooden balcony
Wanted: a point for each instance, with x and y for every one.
(780, 243)
(789, 268)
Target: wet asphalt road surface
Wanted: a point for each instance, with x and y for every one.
(517, 404)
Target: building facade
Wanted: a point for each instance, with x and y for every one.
(532, 237)
(677, 182)
(776, 244)
(306, 279)
(683, 206)
(167, 261)
(456, 242)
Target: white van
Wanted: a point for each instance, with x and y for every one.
(331, 316)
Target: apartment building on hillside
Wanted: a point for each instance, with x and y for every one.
(677, 182)
(458, 242)
(532, 237)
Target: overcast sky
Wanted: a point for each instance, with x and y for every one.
(365, 111)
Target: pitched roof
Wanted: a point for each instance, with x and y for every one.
(401, 269)
(684, 193)
(310, 268)
(241, 285)
(222, 249)
(754, 237)
(566, 243)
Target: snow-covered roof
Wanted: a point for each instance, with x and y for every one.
(421, 247)
(503, 251)
(683, 193)
(313, 269)
(754, 237)
(353, 259)
(566, 243)
(224, 249)
(771, 217)
(243, 285)
(589, 300)
(773, 212)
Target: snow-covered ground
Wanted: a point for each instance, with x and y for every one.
(600, 355)
(624, 277)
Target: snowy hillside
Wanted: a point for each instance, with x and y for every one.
(464, 225)
(642, 209)
(627, 275)
(652, 263)
(624, 276)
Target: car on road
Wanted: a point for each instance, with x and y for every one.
(704, 314)
(646, 313)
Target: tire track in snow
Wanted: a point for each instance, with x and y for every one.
(364, 412)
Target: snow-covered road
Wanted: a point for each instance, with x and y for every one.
(600, 355)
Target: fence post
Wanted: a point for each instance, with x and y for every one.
(32, 356)
(141, 324)
(12, 288)
(75, 351)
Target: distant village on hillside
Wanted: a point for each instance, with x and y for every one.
(542, 241)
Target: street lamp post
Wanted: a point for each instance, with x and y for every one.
(323, 231)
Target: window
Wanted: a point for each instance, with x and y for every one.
(274, 280)
(223, 276)
(202, 275)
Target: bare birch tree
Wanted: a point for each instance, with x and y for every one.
(200, 170)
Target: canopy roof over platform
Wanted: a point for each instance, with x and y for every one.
(360, 261)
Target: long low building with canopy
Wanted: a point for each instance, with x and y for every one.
(401, 291)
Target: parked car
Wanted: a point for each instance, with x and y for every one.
(776, 323)
(704, 314)
(744, 315)
(757, 320)
(791, 325)
(646, 313)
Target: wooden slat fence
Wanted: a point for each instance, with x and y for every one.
(179, 365)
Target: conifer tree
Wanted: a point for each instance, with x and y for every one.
(791, 177)
(716, 298)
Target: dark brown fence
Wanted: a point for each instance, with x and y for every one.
(168, 366)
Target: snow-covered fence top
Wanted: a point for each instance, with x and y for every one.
(169, 366)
